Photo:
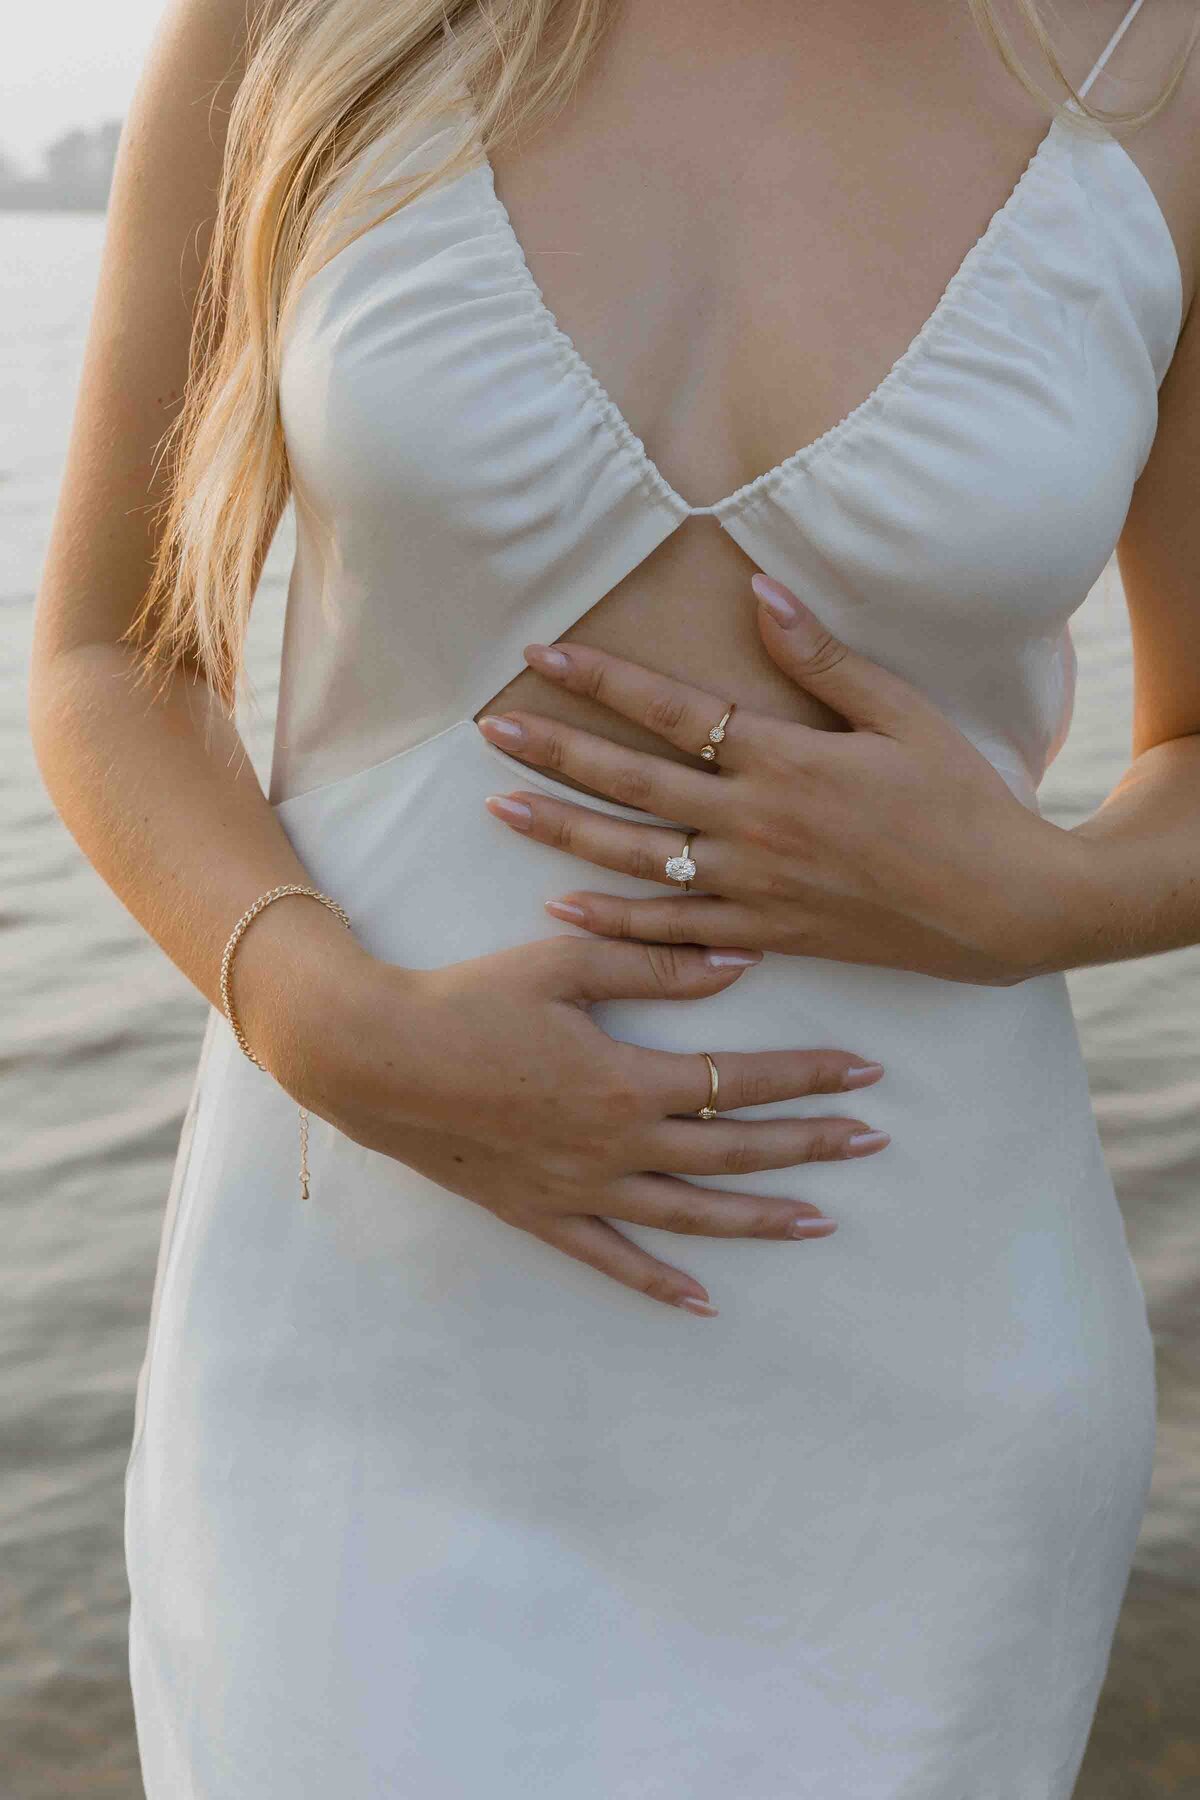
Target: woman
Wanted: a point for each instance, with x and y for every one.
(431, 1494)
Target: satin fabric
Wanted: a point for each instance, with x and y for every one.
(418, 1506)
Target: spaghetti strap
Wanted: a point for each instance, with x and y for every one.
(1111, 45)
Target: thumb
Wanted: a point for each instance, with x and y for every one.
(861, 690)
(610, 970)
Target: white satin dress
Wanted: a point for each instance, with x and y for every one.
(419, 1507)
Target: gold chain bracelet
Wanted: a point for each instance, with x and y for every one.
(235, 937)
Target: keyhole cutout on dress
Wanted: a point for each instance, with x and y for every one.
(688, 611)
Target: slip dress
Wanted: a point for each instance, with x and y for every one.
(419, 1506)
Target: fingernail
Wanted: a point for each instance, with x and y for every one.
(561, 910)
(805, 1228)
(775, 598)
(732, 959)
(508, 729)
(704, 1307)
(861, 1074)
(862, 1141)
(554, 662)
(513, 812)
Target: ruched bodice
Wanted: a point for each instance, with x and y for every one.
(464, 484)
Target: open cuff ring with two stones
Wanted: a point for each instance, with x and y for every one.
(682, 868)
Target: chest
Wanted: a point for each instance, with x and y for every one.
(738, 297)
(441, 371)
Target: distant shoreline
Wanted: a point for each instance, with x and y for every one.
(37, 199)
(75, 175)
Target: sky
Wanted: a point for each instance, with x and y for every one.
(66, 63)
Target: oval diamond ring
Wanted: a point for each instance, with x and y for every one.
(681, 868)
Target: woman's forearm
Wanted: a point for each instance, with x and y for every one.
(1137, 886)
(161, 797)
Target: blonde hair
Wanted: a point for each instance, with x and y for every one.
(328, 84)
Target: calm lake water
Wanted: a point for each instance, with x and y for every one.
(100, 1038)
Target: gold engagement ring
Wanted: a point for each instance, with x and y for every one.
(681, 868)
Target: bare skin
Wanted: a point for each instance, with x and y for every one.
(161, 797)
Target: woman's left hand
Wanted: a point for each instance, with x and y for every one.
(894, 843)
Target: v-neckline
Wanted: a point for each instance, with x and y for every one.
(730, 504)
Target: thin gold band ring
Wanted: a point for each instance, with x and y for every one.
(710, 1111)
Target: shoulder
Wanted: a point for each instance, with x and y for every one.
(173, 140)
(1161, 39)
(229, 25)
(196, 62)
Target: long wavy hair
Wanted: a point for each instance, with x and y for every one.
(328, 86)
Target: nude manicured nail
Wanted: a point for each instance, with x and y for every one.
(863, 1141)
(861, 1074)
(775, 598)
(554, 662)
(704, 1308)
(806, 1228)
(560, 909)
(732, 959)
(513, 812)
(508, 729)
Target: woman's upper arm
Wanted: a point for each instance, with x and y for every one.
(1159, 558)
(160, 215)
(1159, 550)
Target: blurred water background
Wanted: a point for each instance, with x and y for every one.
(100, 1035)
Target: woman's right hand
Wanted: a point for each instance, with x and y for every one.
(491, 1078)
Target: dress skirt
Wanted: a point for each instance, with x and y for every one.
(420, 1507)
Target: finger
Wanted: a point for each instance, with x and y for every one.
(674, 710)
(688, 919)
(609, 842)
(735, 1147)
(581, 969)
(673, 1205)
(633, 778)
(603, 1247)
(679, 1082)
(861, 690)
